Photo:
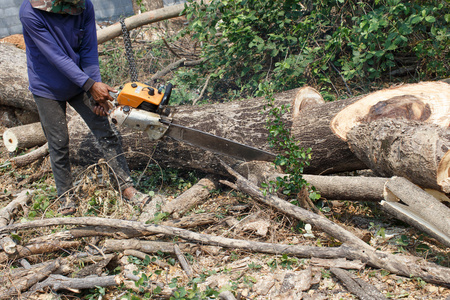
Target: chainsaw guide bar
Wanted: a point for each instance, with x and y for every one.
(215, 143)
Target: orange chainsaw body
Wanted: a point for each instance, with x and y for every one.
(134, 94)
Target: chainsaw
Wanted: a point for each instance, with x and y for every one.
(142, 107)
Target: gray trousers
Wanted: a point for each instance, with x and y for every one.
(52, 114)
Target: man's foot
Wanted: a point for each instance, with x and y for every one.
(68, 206)
(135, 197)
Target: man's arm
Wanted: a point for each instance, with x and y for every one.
(90, 65)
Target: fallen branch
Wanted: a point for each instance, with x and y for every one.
(7, 214)
(183, 262)
(25, 283)
(24, 251)
(397, 264)
(135, 21)
(23, 160)
(357, 286)
(198, 193)
(409, 203)
(341, 263)
(60, 282)
(23, 137)
(143, 246)
(356, 188)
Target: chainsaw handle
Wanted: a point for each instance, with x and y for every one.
(166, 97)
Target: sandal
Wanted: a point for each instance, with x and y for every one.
(137, 197)
(68, 207)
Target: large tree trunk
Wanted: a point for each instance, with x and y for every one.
(324, 127)
(14, 79)
(244, 121)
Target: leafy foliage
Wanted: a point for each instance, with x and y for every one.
(292, 158)
(321, 43)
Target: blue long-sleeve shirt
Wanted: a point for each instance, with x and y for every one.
(62, 54)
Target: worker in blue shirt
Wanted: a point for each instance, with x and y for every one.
(63, 67)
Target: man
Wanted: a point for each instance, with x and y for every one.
(63, 67)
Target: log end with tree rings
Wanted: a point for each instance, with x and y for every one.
(443, 173)
(306, 97)
(10, 140)
(23, 137)
(425, 101)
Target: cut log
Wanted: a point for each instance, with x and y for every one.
(14, 79)
(242, 121)
(198, 193)
(306, 97)
(324, 128)
(321, 127)
(426, 101)
(23, 137)
(417, 151)
(355, 188)
(416, 207)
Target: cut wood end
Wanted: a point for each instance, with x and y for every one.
(427, 100)
(443, 173)
(438, 195)
(306, 97)
(10, 140)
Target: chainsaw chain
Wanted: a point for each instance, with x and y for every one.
(129, 51)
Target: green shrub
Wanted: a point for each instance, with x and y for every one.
(323, 43)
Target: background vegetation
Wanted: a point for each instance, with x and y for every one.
(338, 46)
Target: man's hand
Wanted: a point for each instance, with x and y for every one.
(100, 93)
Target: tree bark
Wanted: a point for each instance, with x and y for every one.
(14, 79)
(415, 150)
(416, 207)
(355, 188)
(192, 197)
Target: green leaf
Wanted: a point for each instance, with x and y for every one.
(430, 19)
